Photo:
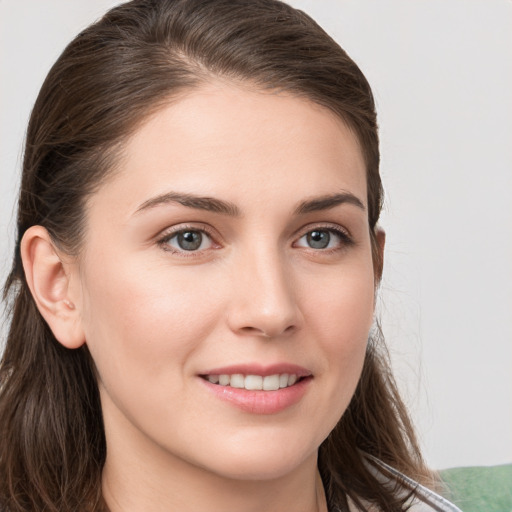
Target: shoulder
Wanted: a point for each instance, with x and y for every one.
(421, 498)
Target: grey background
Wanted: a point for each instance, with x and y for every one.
(442, 76)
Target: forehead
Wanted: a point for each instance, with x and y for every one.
(235, 142)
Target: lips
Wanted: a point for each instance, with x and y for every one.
(258, 389)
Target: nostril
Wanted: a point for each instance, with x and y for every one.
(255, 331)
(270, 333)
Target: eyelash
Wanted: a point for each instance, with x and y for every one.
(345, 239)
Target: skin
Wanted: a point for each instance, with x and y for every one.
(155, 316)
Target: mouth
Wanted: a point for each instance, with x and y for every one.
(252, 382)
(259, 389)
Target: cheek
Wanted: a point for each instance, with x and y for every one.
(138, 318)
(341, 316)
(341, 306)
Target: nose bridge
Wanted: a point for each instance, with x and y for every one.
(265, 301)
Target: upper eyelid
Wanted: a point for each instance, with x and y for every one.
(323, 226)
(174, 230)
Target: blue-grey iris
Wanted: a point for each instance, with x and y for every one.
(189, 240)
(318, 239)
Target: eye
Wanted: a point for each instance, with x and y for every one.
(323, 238)
(189, 240)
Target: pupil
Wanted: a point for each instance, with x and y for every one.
(318, 239)
(189, 240)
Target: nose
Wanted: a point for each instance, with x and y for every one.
(264, 302)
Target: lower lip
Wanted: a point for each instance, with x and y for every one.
(260, 402)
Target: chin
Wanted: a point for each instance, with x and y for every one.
(261, 468)
(264, 460)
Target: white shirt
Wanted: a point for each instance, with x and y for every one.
(422, 500)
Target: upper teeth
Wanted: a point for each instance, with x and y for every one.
(254, 382)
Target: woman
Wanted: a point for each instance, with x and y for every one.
(195, 276)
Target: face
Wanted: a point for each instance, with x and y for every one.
(231, 250)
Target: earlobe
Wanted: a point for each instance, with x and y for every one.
(49, 284)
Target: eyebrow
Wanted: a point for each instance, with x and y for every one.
(209, 204)
(212, 204)
(326, 202)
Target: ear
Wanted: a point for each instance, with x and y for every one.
(48, 279)
(378, 253)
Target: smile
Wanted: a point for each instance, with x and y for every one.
(256, 388)
(254, 382)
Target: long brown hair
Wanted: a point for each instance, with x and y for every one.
(106, 82)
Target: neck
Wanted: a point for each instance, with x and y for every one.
(140, 474)
(130, 486)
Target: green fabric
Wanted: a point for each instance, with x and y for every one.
(480, 489)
